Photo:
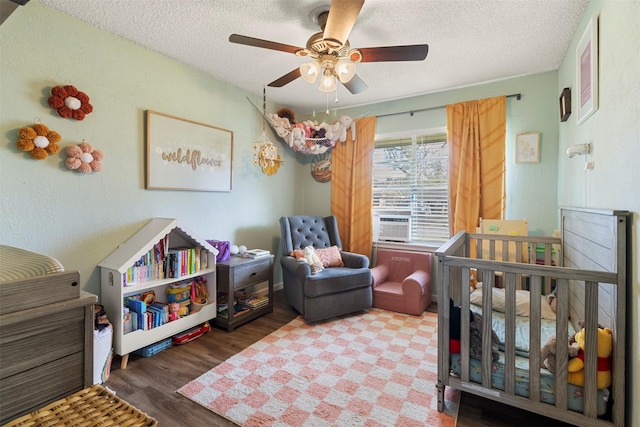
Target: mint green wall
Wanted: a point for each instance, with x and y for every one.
(531, 188)
(614, 131)
(81, 219)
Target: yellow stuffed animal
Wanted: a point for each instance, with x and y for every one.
(605, 347)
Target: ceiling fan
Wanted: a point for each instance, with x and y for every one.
(332, 56)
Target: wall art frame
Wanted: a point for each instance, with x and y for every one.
(528, 147)
(186, 155)
(565, 104)
(587, 70)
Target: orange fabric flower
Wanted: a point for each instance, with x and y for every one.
(70, 102)
(38, 140)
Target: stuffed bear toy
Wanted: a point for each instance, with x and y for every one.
(339, 128)
(475, 330)
(296, 139)
(605, 348)
(548, 352)
(312, 258)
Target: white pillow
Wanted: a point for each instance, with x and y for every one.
(522, 302)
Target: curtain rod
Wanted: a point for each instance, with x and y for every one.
(517, 96)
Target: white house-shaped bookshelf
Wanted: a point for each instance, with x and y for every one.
(115, 287)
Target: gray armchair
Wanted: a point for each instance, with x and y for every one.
(333, 291)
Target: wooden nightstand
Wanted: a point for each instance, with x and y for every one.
(243, 274)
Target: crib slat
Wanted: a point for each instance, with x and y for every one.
(465, 332)
(590, 350)
(534, 338)
(562, 330)
(510, 334)
(488, 279)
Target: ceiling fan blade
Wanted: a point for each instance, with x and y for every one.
(355, 85)
(341, 19)
(416, 52)
(287, 78)
(266, 44)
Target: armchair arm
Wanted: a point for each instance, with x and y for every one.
(379, 274)
(299, 268)
(354, 260)
(415, 285)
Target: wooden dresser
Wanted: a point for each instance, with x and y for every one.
(46, 353)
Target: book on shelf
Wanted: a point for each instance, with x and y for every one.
(255, 301)
(255, 253)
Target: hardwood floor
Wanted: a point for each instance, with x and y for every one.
(150, 384)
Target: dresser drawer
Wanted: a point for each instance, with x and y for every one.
(43, 339)
(258, 271)
(27, 391)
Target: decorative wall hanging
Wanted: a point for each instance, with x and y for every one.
(265, 153)
(38, 140)
(266, 156)
(587, 69)
(321, 167)
(187, 155)
(84, 158)
(565, 104)
(528, 147)
(70, 102)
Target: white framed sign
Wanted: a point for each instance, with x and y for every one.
(587, 70)
(186, 155)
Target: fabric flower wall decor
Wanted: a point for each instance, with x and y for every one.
(38, 140)
(70, 102)
(84, 158)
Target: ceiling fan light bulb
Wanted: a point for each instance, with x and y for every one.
(345, 70)
(327, 83)
(309, 71)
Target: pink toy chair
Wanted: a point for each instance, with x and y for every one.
(402, 281)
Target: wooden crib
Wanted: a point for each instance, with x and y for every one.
(590, 284)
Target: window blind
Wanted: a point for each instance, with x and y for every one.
(411, 175)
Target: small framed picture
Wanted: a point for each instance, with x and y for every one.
(528, 147)
(565, 104)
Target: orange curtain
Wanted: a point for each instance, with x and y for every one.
(476, 133)
(352, 187)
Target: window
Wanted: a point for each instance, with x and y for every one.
(410, 177)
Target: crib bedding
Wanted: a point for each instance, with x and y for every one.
(575, 400)
(16, 264)
(548, 328)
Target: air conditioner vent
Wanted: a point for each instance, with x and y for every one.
(395, 228)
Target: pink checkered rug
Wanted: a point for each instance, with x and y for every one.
(378, 368)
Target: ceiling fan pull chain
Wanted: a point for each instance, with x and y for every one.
(327, 111)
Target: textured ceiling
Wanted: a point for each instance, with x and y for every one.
(470, 41)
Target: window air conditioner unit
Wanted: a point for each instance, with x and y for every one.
(395, 228)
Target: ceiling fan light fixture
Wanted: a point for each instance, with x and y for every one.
(327, 82)
(345, 70)
(310, 71)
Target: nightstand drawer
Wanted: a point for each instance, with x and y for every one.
(257, 271)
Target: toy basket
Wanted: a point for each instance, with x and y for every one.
(93, 406)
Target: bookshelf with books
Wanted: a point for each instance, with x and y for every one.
(160, 264)
(245, 290)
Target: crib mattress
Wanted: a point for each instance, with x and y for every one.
(547, 382)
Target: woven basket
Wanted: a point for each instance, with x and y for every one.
(93, 406)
